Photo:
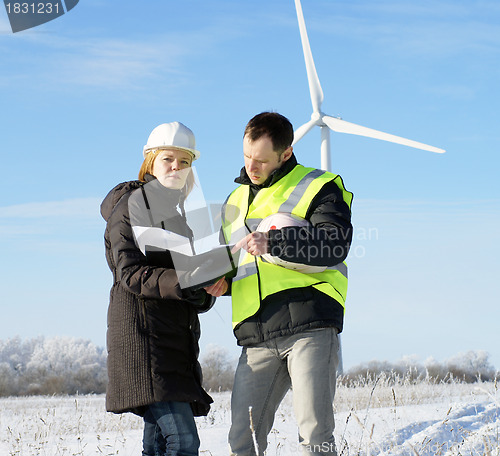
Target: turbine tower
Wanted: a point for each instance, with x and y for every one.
(327, 123)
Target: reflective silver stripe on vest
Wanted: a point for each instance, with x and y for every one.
(299, 191)
(238, 235)
(245, 270)
(249, 269)
(341, 267)
(253, 223)
(292, 200)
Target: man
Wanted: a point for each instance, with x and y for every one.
(287, 321)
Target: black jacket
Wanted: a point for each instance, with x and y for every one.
(153, 326)
(300, 309)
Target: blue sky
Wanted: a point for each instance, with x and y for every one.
(81, 94)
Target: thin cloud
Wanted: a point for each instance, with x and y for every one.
(80, 208)
(454, 216)
(114, 63)
(428, 28)
(119, 64)
(162, 59)
(110, 64)
(37, 227)
(453, 91)
(421, 207)
(4, 26)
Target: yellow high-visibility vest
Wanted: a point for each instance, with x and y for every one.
(256, 279)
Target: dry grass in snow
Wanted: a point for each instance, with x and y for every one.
(379, 417)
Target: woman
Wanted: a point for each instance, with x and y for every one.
(153, 326)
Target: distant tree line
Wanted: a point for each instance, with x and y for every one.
(469, 367)
(64, 365)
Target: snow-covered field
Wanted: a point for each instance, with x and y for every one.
(372, 419)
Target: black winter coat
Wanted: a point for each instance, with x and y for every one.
(153, 326)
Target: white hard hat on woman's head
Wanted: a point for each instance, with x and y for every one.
(172, 135)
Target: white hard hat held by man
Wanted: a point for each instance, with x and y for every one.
(276, 222)
(286, 319)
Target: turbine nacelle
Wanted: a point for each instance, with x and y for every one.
(317, 118)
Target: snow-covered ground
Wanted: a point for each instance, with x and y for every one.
(373, 419)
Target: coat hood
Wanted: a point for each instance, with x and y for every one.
(115, 195)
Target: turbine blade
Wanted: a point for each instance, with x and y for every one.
(342, 126)
(312, 76)
(302, 131)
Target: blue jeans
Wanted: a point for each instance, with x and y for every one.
(170, 430)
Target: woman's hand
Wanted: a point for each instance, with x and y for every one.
(218, 288)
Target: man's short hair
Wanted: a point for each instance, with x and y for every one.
(277, 127)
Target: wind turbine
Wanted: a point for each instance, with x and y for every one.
(327, 123)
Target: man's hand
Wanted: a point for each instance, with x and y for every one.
(218, 288)
(254, 243)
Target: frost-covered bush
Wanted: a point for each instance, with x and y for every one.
(14, 355)
(472, 364)
(468, 367)
(218, 369)
(59, 365)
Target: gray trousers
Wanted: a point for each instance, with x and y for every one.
(306, 362)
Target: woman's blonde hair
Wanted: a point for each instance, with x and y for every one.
(147, 168)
